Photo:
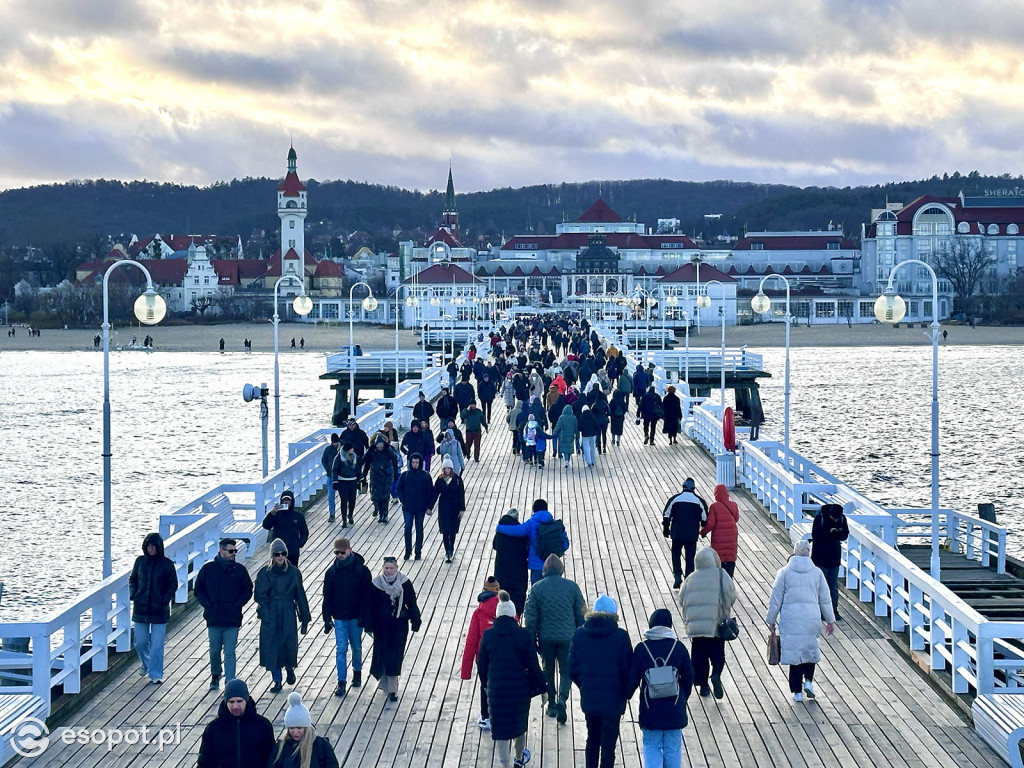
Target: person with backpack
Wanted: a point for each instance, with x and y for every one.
(683, 517)
(707, 599)
(828, 532)
(547, 537)
(554, 611)
(599, 662)
(662, 670)
(481, 621)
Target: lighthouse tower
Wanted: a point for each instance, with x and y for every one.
(291, 208)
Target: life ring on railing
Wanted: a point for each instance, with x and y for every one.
(729, 430)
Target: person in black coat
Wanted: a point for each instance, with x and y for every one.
(345, 607)
(417, 496)
(508, 669)
(651, 411)
(672, 408)
(393, 611)
(381, 466)
(423, 410)
(417, 441)
(487, 392)
(511, 561)
(599, 660)
(662, 719)
(447, 407)
(151, 588)
(617, 410)
(828, 532)
(287, 524)
(239, 737)
(282, 603)
(354, 435)
(450, 494)
(464, 393)
(223, 587)
(682, 518)
(602, 413)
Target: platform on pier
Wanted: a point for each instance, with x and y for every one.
(996, 596)
(873, 708)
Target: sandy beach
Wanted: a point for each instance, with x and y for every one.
(320, 339)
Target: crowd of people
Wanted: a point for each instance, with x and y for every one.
(533, 632)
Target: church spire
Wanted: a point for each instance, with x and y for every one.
(450, 214)
(449, 198)
(292, 158)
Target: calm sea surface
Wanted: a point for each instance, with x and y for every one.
(179, 426)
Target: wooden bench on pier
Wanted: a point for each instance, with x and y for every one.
(14, 708)
(999, 720)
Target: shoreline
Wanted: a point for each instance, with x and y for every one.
(321, 339)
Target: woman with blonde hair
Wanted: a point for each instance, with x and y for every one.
(299, 746)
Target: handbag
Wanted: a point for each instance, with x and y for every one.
(728, 628)
(774, 649)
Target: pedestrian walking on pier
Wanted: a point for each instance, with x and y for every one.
(447, 407)
(672, 408)
(282, 604)
(475, 420)
(546, 535)
(354, 436)
(617, 410)
(239, 737)
(707, 599)
(416, 493)
(423, 410)
(393, 612)
(828, 532)
(511, 554)
(450, 493)
(588, 435)
(507, 664)
(651, 411)
(381, 466)
(599, 663)
(723, 516)
(287, 524)
(151, 588)
(223, 587)
(481, 621)
(800, 602)
(662, 711)
(683, 517)
(327, 458)
(346, 603)
(566, 431)
(487, 391)
(345, 472)
(299, 746)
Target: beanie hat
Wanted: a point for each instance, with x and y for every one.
(660, 618)
(513, 513)
(287, 494)
(335, 438)
(297, 716)
(688, 484)
(491, 585)
(236, 689)
(447, 463)
(278, 545)
(802, 547)
(553, 564)
(605, 604)
(505, 605)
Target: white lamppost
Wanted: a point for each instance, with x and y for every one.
(435, 301)
(150, 309)
(696, 262)
(890, 308)
(302, 305)
(369, 304)
(762, 305)
(704, 300)
(686, 319)
(666, 301)
(642, 299)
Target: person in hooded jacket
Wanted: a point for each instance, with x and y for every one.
(511, 554)
(662, 719)
(481, 621)
(345, 472)
(683, 517)
(672, 408)
(624, 384)
(508, 669)
(447, 406)
(416, 492)
(151, 589)
(381, 466)
(599, 663)
(345, 605)
(723, 516)
(486, 390)
(464, 393)
(565, 432)
(451, 452)
(288, 524)
(617, 410)
(588, 435)
(393, 611)
(299, 746)
(651, 411)
(602, 414)
(828, 532)
(327, 458)
(223, 587)
(641, 381)
(800, 602)
(281, 601)
(450, 494)
(706, 599)
(415, 441)
(512, 419)
(239, 737)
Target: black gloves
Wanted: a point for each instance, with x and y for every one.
(665, 525)
(305, 627)
(328, 626)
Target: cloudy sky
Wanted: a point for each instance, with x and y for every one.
(831, 92)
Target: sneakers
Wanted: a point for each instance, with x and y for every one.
(716, 685)
(276, 687)
(392, 697)
(340, 690)
(552, 710)
(290, 678)
(448, 560)
(330, 518)
(214, 682)
(561, 718)
(566, 465)
(798, 697)
(519, 762)
(809, 689)
(357, 678)
(705, 691)
(483, 723)
(157, 681)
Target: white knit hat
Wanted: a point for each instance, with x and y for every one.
(506, 609)
(447, 463)
(297, 716)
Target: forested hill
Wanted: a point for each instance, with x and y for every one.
(81, 211)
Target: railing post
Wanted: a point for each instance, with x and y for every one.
(961, 659)
(917, 616)
(936, 636)
(986, 673)
(122, 619)
(41, 666)
(100, 635)
(883, 574)
(899, 605)
(73, 655)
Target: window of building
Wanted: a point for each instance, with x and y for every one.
(993, 229)
(1012, 229)
(206, 279)
(963, 227)
(928, 308)
(526, 246)
(846, 309)
(822, 309)
(757, 246)
(195, 280)
(329, 311)
(867, 308)
(291, 224)
(291, 243)
(1011, 254)
(834, 245)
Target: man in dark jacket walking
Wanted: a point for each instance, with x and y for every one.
(531, 530)
(475, 420)
(287, 524)
(599, 660)
(828, 532)
(447, 408)
(327, 461)
(223, 587)
(381, 466)
(151, 588)
(239, 737)
(683, 517)
(486, 390)
(416, 492)
(354, 435)
(346, 603)
(464, 393)
(423, 410)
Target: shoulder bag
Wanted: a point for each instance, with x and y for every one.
(728, 627)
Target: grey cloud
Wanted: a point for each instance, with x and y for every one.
(846, 87)
(81, 18)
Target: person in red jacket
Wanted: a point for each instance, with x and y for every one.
(480, 622)
(722, 518)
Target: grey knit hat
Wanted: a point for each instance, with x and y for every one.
(297, 716)
(236, 689)
(277, 545)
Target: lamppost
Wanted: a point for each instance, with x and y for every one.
(150, 309)
(890, 308)
(696, 262)
(302, 305)
(704, 300)
(686, 319)
(667, 301)
(642, 299)
(369, 304)
(762, 305)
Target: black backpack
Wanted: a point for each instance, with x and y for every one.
(549, 539)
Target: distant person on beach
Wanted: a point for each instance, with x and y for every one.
(683, 517)
(282, 603)
(945, 335)
(293, 342)
(481, 621)
(828, 532)
(237, 723)
(393, 612)
(299, 746)
(95, 341)
(302, 343)
(330, 453)
(288, 524)
(223, 587)
(151, 588)
(346, 603)
(222, 345)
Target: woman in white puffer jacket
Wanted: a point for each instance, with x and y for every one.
(800, 601)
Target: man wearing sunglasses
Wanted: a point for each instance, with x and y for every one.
(347, 593)
(223, 587)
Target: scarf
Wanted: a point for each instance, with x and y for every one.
(660, 633)
(393, 589)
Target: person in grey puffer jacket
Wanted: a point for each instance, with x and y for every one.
(707, 599)
(554, 610)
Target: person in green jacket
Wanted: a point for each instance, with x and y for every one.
(474, 419)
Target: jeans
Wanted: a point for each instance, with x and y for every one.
(663, 749)
(410, 518)
(832, 577)
(149, 644)
(602, 733)
(589, 444)
(226, 638)
(677, 548)
(473, 442)
(347, 491)
(505, 750)
(347, 632)
(797, 674)
(330, 498)
(549, 654)
(708, 654)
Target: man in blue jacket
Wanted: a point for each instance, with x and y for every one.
(533, 530)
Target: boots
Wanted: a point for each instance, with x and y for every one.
(357, 678)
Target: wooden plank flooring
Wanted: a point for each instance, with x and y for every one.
(873, 708)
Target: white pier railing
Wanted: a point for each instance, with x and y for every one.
(708, 362)
(383, 363)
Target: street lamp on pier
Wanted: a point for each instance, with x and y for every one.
(369, 304)
(704, 300)
(302, 305)
(762, 305)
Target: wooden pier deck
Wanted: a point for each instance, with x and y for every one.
(873, 707)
